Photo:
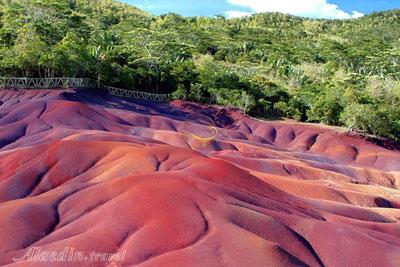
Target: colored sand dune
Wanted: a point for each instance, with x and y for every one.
(182, 184)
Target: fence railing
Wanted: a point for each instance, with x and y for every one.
(80, 83)
(44, 83)
(137, 94)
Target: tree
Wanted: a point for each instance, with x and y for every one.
(369, 119)
(24, 55)
(70, 57)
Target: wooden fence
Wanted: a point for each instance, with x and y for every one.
(80, 83)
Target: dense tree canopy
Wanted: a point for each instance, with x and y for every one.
(340, 72)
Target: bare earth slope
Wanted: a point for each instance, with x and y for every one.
(102, 174)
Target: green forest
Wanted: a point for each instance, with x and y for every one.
(272, 65)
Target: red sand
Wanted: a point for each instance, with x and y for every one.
(101, 174)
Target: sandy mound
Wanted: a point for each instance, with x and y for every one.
(97, 173)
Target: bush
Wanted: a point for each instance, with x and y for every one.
(368, 118)
(233, 98)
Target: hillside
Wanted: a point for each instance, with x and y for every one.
(337, 72)
(91, 172)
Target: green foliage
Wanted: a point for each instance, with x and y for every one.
(233, 98)
(23, 57)
(340, 72)
(369, 118)
(69, 57)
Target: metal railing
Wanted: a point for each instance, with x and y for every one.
(80, 83)
(137, 94)
(44, 83)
